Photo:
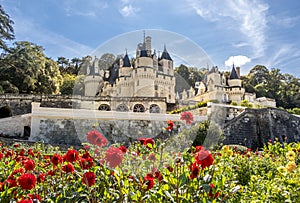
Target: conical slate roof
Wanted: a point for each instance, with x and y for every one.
(233, 74)
(165, 54)
(126, 61)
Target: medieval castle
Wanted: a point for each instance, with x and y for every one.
(147, 84)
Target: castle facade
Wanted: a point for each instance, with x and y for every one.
(143, 84)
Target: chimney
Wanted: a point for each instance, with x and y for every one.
(238, 69)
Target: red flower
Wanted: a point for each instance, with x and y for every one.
(25, 201)
(123, 149)
(86, 163)
(1, 156)
(170, 125)
(28, 164)
(2, 186)
(89, 178)
(56, 159)
(35, 197)
(11, 180)
(30, 152)
(195, 171)
(27, 181)
(96, 138)
(169, 168)
(148, 142)
(204, 158)
(158, 175)
(114, 156)
(71, 155)
(41, 178)
(187, 116)
(149, 181)
(69, 168)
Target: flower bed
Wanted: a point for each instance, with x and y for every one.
(148, 171)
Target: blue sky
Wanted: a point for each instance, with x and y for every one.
(248, 32)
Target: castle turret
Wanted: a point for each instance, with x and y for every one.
(93, 80)
(166, 62)
(234, 78)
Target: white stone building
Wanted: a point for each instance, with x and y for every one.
(145, 84)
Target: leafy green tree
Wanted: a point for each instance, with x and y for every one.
(6, 29)
(67, 86)
(26, 67)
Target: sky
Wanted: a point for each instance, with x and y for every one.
(243, 32)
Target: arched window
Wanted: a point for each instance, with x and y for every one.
(122, 108)
(104, 107)
(138, 108)
(154, 108)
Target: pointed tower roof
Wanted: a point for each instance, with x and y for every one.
(165, 54)
(233, 74)
(126, 61)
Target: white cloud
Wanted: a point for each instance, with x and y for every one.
(237, 60)
(249, 16)
(128, 10)
(91, 8)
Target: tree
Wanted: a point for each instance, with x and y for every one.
(67, 86)
(6, 29)
(26, 67)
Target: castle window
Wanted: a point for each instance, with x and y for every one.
(104, 107)
(137, 83)
(122, 108)
(155, 87)
(154, 108)
(138, 108)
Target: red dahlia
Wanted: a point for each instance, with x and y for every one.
(56, 159)
(28, 164)
(96, 138)
(187, 116)
(170, 125)
(89, 178)
(68, 168)
(148, 142)
(113, 156)
(195, 171)
(204, 158)
(71, 155)
(86, 163)
(27, 181)
(149, 181)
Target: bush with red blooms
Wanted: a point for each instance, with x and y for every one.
(89, 178)
(187, 117)
(28, 164)
(68, 168)
(96, 138)
(71, 155)
(56, 159)
(148, 142)
(204, 158)
(149, 171)
(113, 156)
(27, 181)
(170, 125)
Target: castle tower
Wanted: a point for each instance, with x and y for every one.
(234, 78)
(166, 62)
(93, 80)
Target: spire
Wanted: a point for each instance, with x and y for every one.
(126, 61)
(165, 54)
(233, 74)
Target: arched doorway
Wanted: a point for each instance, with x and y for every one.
(138, 108)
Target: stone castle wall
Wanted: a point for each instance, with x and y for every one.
(255, 127)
